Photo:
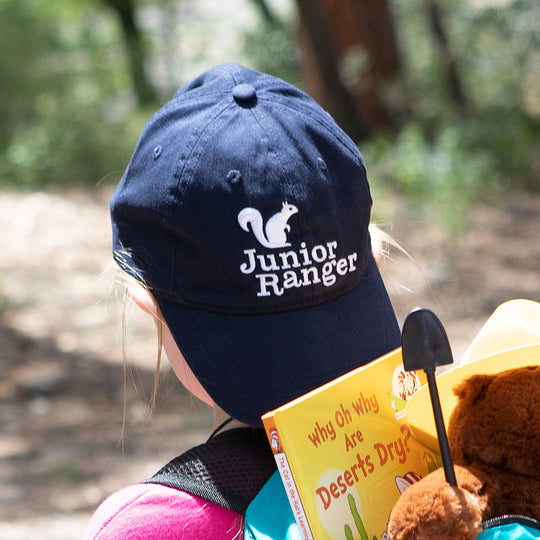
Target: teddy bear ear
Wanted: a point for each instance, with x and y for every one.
(474, 388)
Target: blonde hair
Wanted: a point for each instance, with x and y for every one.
(129, 284)
(381, 242)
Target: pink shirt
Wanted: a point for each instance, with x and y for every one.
(152, 511)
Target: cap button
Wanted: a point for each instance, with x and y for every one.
(244, 93)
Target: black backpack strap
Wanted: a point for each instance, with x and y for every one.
(229, 470)
(499, 521)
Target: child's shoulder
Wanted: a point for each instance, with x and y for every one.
(154, 511)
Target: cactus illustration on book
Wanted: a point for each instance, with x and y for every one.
(357, 520)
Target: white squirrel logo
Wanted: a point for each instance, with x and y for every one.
(274, 234)
(278, 272)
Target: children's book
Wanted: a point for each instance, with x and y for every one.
(345, 451)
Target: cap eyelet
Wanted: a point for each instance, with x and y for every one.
(157, 151)
(234, 177)
(322, 165)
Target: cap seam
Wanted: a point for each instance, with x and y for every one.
(346, 141)
(179, 171)
(180, 194)
(329, 295)
(293, 306)
(352, 148)
(286, 171)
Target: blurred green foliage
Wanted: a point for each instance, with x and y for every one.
(62, 115)
(68, 114)
(271, 45)
(445, 160)
(449, 159)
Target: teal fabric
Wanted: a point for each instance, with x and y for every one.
(510, 531)
(269, 516)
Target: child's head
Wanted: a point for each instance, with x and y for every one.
(245, 211)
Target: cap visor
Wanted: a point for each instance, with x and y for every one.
(251, 364)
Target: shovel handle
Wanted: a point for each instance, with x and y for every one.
(448, 466)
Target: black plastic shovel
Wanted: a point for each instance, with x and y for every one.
(425, 346)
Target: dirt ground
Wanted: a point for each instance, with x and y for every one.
(63, 447)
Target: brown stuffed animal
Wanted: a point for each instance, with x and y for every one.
(494, 436)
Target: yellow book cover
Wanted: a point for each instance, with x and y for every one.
(345, 452)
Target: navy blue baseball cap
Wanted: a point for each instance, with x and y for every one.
(245, 210)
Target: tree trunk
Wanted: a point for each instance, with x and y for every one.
(267, 14)
(366, 56)
(324, 77)
(125, 9)
(449, 64)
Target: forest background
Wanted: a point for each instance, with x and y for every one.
(442, 98)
